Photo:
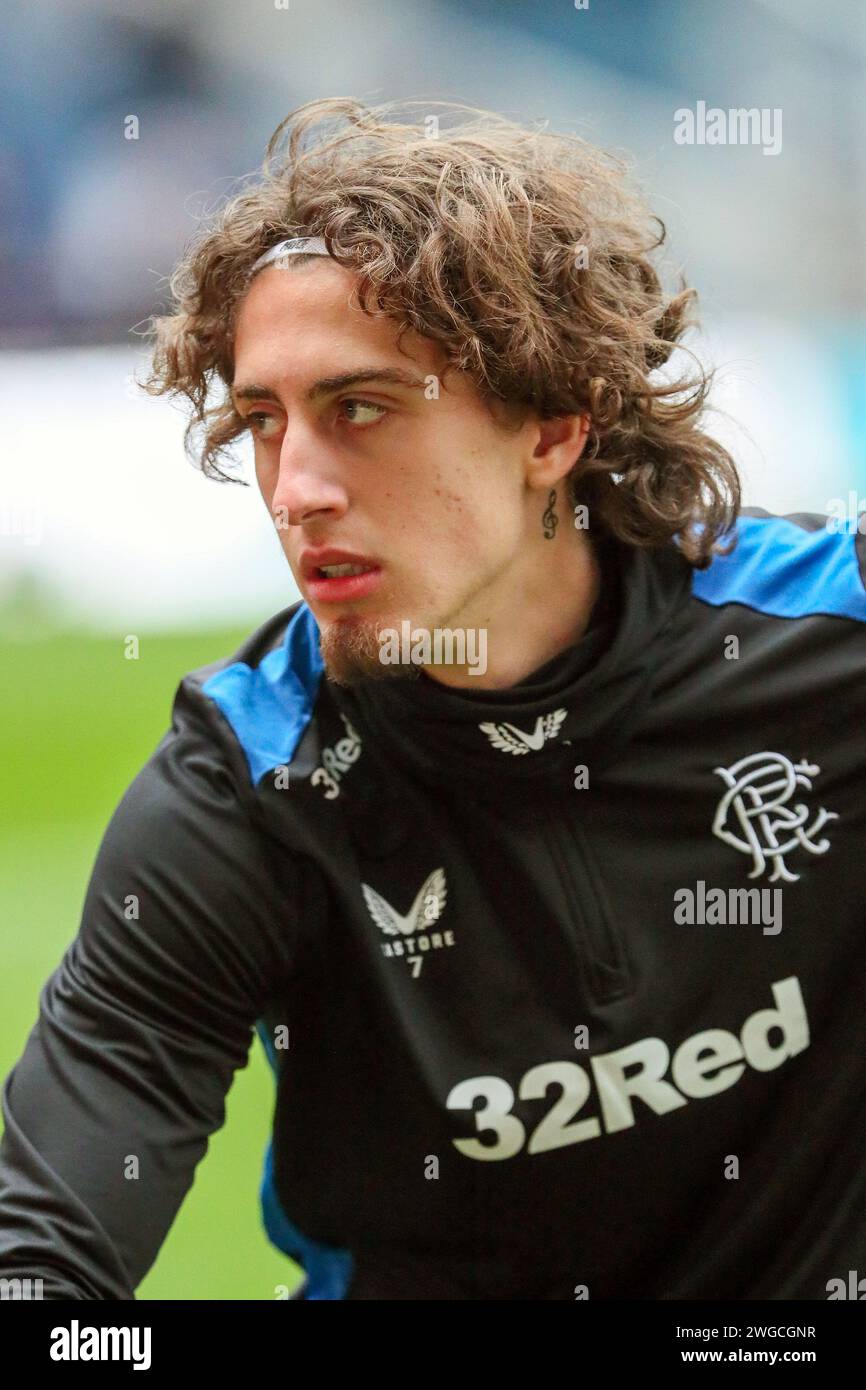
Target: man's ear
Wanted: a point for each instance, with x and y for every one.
(560, 443)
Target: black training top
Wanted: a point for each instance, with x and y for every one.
(563, 985)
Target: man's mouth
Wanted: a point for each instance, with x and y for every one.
(331, 574)
(338, 571)
(340, 583)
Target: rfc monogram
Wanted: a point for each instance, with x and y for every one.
(754, 816)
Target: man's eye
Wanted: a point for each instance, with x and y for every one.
(265, 426)
(358, 408)
(258, 420)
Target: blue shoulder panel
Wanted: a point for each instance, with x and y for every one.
(270, 705)
(781, 569)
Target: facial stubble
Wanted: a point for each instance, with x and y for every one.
(351, 649)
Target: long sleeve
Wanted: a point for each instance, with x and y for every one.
(187, 928)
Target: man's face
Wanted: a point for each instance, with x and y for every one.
(431, 491)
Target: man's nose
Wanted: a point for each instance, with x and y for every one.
(307, 481)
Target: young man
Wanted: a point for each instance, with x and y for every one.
(530, 839)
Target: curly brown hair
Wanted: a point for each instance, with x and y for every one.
(524, 254)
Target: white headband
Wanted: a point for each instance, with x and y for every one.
(295, 246)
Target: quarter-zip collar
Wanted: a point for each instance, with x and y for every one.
(577, 708)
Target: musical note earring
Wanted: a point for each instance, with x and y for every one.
(550, 520)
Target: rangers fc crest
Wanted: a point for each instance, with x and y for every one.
(758, 814)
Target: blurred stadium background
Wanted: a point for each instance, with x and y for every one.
(107, 531)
